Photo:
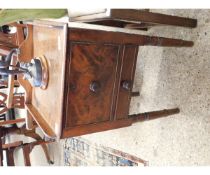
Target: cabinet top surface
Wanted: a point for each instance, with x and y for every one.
(46, 105)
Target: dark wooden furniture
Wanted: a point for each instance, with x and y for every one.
(91, 75)
(134, 19)
(99, 80)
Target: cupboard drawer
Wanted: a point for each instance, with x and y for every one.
(129, 57)
(91, 82)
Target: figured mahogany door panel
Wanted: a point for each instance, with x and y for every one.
(126, 81)
(91, 83)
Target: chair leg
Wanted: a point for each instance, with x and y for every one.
(44, 146)
(10, 148)
(28, 147)
(10, 157)
(26, 154)
(32, 134)
(46, 152)
(153, 115)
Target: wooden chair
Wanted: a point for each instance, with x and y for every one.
(18, 102)
(134, 19)
(27, 148)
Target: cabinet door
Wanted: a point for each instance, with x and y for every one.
(91, 82)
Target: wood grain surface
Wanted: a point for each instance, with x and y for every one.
(91, 63)
(50, 41)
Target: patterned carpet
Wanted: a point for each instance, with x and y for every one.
(81, 152)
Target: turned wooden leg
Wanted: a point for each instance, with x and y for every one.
(166, 42)
(153, 115)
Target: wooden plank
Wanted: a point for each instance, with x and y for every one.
(150, 17)
(10, 122)
(26, 54)
(12, 145)
(91, 17)
(100, 36)
(11, 83)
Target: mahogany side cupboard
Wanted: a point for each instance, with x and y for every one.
(91, 74)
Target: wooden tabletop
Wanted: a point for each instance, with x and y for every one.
(45, 106)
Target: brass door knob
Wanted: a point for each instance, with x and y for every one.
(125, 84)
(95, 86)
